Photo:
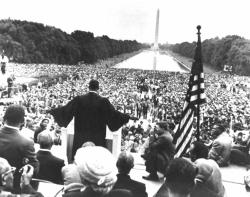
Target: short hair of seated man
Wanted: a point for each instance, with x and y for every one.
(45, 140)
(180, 177)
(125, 163)
(14, 115)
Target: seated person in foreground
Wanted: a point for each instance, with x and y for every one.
(208, 179)
(180, 179)
(50, 166)
(221, 147)
(124, 164)
(160, 152)
(96, 166)
(71, 177)
(15, 148)
(7, 178)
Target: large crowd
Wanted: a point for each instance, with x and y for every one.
(151, 96)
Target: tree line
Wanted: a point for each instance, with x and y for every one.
(29, 42)
(231, 50)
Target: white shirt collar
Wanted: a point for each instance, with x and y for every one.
(11, 127)
(93, 91)
(47, 150)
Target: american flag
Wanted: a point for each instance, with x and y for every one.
(194, 98)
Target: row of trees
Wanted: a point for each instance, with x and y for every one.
(230, 50)
(29, 42)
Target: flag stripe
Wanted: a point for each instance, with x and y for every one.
(179, 134)
(185, 145)
(185, 131)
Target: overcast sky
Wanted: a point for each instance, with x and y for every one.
(135, 19)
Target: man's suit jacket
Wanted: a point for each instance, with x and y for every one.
(125, 182)
(92, 113)
(50, 167)
(17, 149)
(221, 149)
(160, 153)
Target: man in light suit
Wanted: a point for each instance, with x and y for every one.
(221, 147)
(15, 148)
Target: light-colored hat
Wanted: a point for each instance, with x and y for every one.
(97, 166)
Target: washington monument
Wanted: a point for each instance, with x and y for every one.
(156, 47)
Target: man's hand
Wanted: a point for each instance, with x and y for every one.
(27, 173)
(133, 118)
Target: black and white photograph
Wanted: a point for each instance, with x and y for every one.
(125, 98)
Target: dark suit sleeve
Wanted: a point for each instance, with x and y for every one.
(114, 118)
(30, 156)
(144, 193)
(62, 164)
(162, 192)
(63, 115)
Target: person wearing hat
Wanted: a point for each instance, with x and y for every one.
(18, 150)
(160, 152)
(97, 169)
(92, 113)
(70, 173)
(50, 166)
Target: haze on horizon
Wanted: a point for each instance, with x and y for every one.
(135, 19)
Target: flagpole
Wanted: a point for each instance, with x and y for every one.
(198, 105)
(194, 98)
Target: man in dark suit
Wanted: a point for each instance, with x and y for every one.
(92, 114)
(17, 149)
(50, 166)
(124, 164)
(160, 152)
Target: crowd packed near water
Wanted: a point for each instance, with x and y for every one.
(151, 96)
